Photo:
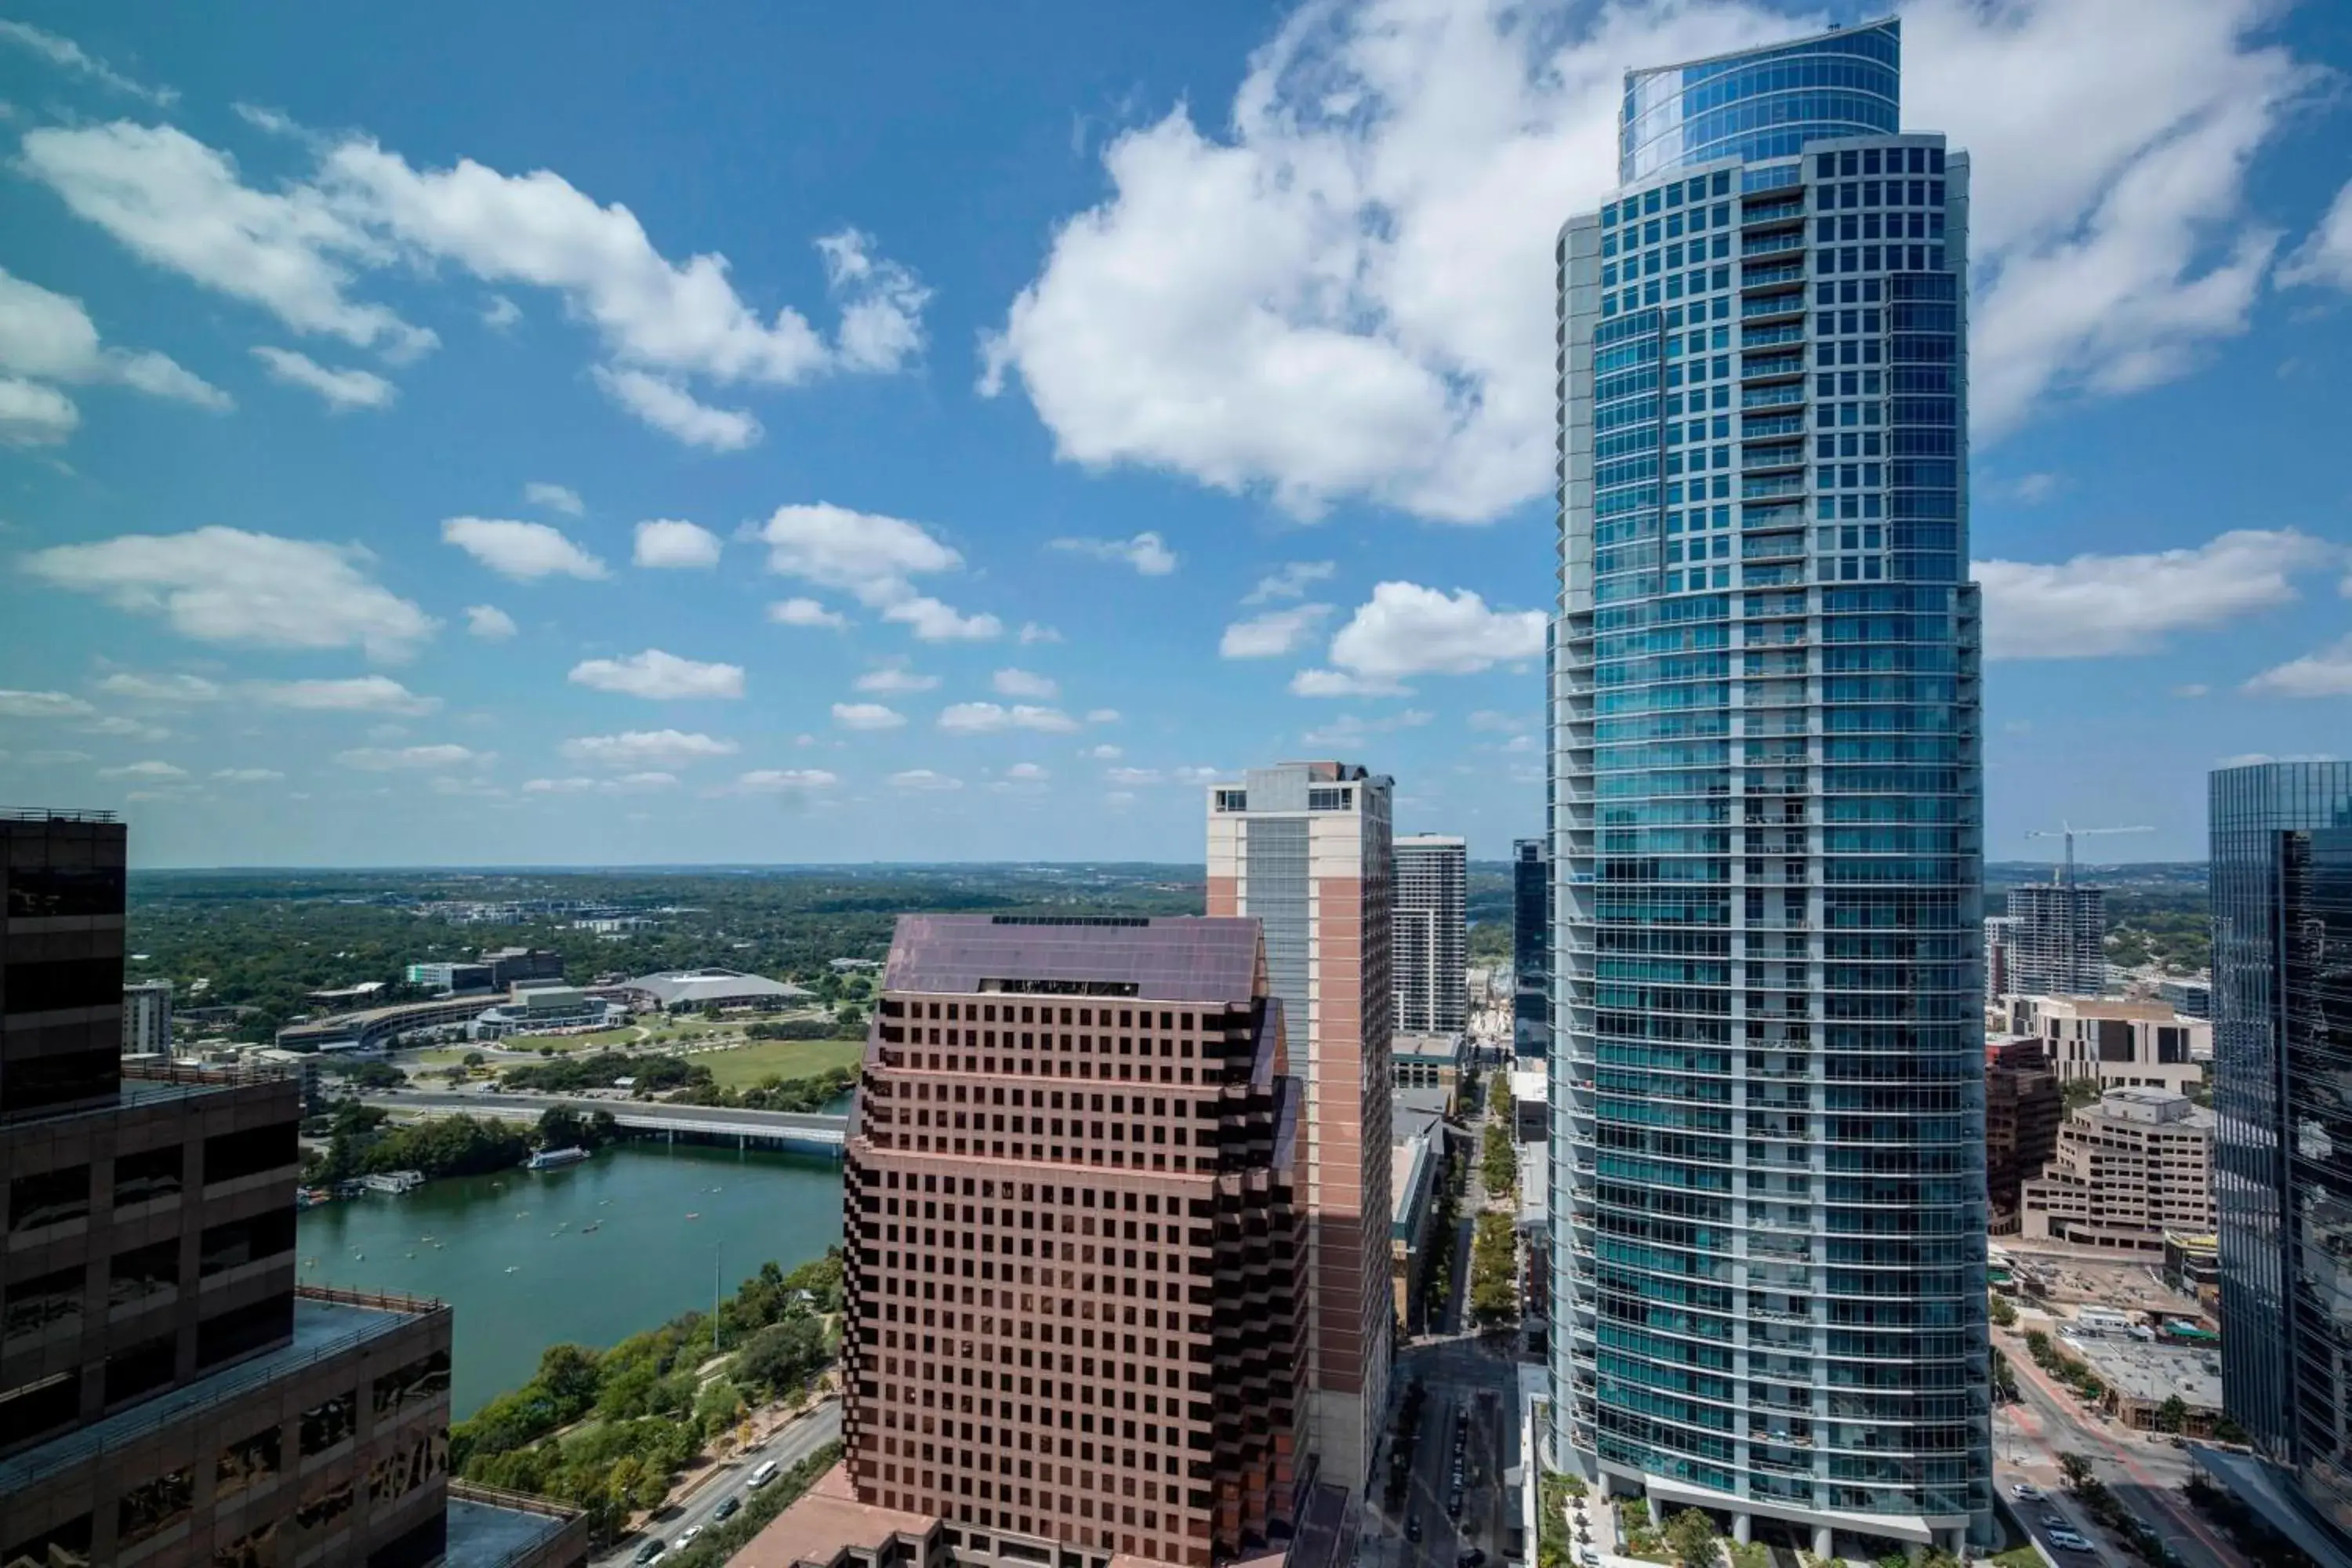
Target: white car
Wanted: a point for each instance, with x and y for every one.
(686, 1536)
(2026, 1492)
(2067, 1541)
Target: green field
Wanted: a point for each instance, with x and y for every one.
(747, 1065)
(620, 1036)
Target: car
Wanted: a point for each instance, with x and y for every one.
(1454, 1503)
(729, 1509)
(763, 1475)
(2067, 1541)
(653, 1547)
(2056, 1521)
(2026, 1492)
(1589, 1557)
(1412, 1526)
(685, 1537)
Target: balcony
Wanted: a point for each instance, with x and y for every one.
(1779, 210)
(1756, 367)
(1773, 487)
(1777, 396)
(1765, 306)
(1764, 426)
(1772, 244)
(1767, 275)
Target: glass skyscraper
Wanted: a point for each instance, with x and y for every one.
(1768, 1068)
(2282, 868)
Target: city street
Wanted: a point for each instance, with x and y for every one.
(1460, 1374)
(2146, 1478)
(787, 1448)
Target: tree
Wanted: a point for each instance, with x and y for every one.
(569, 1374)
(559, 1127)
(474, 1058)
(2173, 1415)
(1692, 1535)
(780, 1356)
(2004, 1312)
(2076, 1468)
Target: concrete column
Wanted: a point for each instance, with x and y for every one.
(1739, 1528)
(1823, 1541)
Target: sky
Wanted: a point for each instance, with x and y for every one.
(585, 434)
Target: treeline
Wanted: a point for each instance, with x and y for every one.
(360, 1141)
(607, 1432)
(802, 1095)
(849, 1026)
(651, 1072)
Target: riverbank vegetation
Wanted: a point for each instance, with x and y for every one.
(608, 1431)
(362, 1140)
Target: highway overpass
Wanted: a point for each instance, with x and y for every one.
(810, 1133)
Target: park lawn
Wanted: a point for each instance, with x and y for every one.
(569, 1042)
(747, 1065)
(438, 1057)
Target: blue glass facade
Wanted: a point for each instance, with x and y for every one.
(2282, 867)
(1766, 794)
(1761, 104)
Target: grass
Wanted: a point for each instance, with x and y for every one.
(2016, 1557)
(747, 1065)
(569, 1042)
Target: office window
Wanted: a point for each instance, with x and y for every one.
(48, 1197)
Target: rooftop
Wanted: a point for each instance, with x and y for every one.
(1443, 1048)
(1187, 958)
(2152, 1374)
(488, 1529)
(827, 1518)
(673, 986)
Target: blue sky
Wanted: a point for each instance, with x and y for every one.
(527, 434)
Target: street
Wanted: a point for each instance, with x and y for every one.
(2146, 1478)
(787, 1449)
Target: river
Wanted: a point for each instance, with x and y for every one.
(512, 1255)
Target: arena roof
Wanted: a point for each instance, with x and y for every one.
(700, 988)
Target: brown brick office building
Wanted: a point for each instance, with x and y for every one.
(1075, 1311)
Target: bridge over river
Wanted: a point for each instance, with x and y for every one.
(804, 1133)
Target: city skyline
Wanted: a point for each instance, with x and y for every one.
(464, 610)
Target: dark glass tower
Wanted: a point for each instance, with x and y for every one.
(1767, 1070)
(1531, 947)
(2282, 855)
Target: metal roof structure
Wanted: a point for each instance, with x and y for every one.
(700, 988)
(1181, 958)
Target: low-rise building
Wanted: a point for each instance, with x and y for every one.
(1415, 1168)
(2129, 1169)
(537, 1007)
(2141, 1380)
(1425, 1061)
(2115, 1043)
(1531, 1106)
(449, 977)
(2192, 1266)
(691, 990)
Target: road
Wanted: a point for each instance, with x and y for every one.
(1460, 1376)
(482, 1103)
(2144, 1477)
(787, 1449)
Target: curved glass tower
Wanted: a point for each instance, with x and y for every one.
(1767, 1072)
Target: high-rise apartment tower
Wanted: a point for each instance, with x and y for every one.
(2282, 858)
(1531, 947)
(147, 1018)
(1432, 934)
(1075, 1323)
(1304, 849)
(1768, 1183)
(2058, 944)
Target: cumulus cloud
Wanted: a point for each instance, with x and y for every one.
(338, 389)
(70, 55)
(525, 552)
(663, 403)
(147, 770)
(407, 759)
(876, 560)
(228, 585)
(1023, 683)
(989, 717)
(1147, 553)
(893, 679)
(175, 689)
(1290, 581)
(1105, 754)
(2093, 605)
(806, 613)
(659, 675)
(866, 716)
(1031, 632)
(1330, 291)
(1273, 634)
(882, 313)
(626, 783)
(246, 776)
(785, 781)
(2326, 673)
(636, 750)
(1406, 629)
(933, 621)
(48, 337)
(667, 541)
(555, 497)
(2326, 255)
(1027, 772)
(488, 622)
(360, 694)
(921, 779)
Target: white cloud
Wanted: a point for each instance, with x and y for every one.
(48, 337)
(246, 776)
(72, 57)
(2326, 255)
(1132, 776)
(871, 556)
(893, 679)
(667, 541)
(882, 318)
(1027, 772)
(1023, 683)
(1105, 754)
(276, 122)
(176, 688)
(554, 497)
(178, 205)
(1271, 634)
(126, 729)
(500, 313)
(866, 716)
(1031, 632)
(924, 779)
(1406, 629)
(2326, 673)
(2093, 605)
(933, 621)
(407, 759)
(990, 718)
(806, 613)
(525, 552)
(53, 759)
(147, 770)
(1147, 553)
(663, 403)
(360, 694)
(488, 622)
(1329, 290)
(227, 585)
(641, 749)
(1290, 581)
(340, 389)
(777, 781)
(659, 675)
(627, 784)
(1352, 730)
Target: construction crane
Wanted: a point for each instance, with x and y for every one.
(2069, 832)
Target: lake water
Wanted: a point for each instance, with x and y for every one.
(521, 1271)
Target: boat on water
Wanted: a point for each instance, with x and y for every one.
(592, 1225)
(554, 1159)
